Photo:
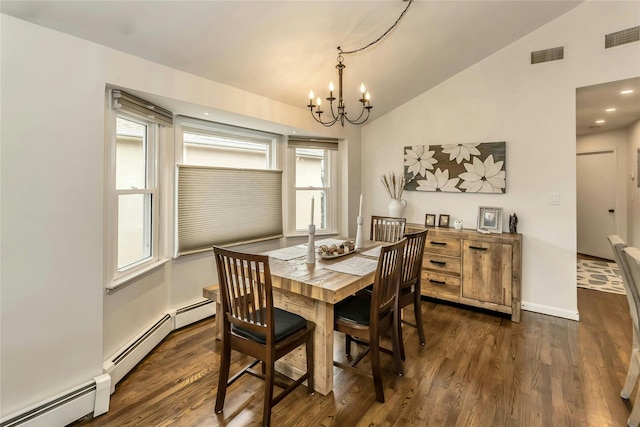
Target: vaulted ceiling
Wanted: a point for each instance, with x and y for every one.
(282, 49)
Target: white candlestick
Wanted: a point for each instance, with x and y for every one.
(360, 210)
(312, 203)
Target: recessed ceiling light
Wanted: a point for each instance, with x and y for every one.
(610, 110)
(600, 121)
(206, 114)
(627, 91)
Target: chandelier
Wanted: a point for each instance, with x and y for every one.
(341, 115)
(365, 98)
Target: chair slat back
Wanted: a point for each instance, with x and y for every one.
(412, 263)
(632, 259)
(387, 280)
(387, 229)
(245, 289)
(633, 295)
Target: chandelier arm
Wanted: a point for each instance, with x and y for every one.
(354, 121)
(319, 120)
(379, 38)
(358, 121)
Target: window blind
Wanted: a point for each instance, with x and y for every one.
(134, 105)
(224, 206)
(310, 142)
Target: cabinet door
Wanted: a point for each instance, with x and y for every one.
(486, 272)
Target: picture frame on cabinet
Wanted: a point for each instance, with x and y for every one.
(489, 219)
(430, 220)
(443, 220)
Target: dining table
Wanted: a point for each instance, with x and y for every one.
(311, 289)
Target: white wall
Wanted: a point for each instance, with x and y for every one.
(57, 324)
(633, 194)
(532, 108)
(614, 140)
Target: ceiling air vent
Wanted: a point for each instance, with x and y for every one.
(618, 38)
(546, 55)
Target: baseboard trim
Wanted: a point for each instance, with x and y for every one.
(550, 310)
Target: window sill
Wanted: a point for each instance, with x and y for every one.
(125, 280)
(322, 234)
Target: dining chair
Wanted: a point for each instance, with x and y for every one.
(366, 320)
(253, 326)
(387, 229)
(631, 257)
(409, 293)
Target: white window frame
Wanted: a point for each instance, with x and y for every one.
(331, 159)
(115, 276)
(191, 125)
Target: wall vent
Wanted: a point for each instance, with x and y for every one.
(618, 38)
(546, 55)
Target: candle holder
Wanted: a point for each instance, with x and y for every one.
(359, 242)
(311, 245)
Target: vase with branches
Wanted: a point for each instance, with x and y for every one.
(394, 185)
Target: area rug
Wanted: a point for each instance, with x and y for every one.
(600, 276)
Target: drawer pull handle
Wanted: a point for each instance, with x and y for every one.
(439, 243)
(437, 262)
(439, 282)
(478, 248)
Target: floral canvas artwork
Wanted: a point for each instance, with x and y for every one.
(456, 168)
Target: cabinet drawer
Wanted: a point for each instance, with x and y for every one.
(442, 246)
(439, 283)
(443, 264)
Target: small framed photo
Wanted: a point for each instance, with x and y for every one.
(443, 220)
(489, 219)
(430, 220)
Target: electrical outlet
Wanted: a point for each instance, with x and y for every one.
(555, 198)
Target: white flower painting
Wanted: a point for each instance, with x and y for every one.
(459, 168)
(418, 159)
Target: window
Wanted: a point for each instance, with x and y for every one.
(229, 191)
(213, 144)
(313, 178)
(133, 193)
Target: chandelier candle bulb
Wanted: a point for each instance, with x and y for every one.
(310, 97)
(331, 87)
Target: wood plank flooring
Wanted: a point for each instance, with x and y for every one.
(477, 369)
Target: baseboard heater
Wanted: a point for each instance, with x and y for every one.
(118, 365)
(194, 312)
(125, 359)
(65, 408)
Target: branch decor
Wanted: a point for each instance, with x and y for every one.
(394, 184)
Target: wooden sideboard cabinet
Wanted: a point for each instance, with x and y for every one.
(471, 268)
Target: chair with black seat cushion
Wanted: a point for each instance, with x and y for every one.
(631, 261)
(366, 320)
(253, 326)
(387, 229)
(409, 293)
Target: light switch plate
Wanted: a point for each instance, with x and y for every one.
(555, 198)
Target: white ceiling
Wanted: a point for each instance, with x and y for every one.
(282, 49)
(593, 101)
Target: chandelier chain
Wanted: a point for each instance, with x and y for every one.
(379, 38)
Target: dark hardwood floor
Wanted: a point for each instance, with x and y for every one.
(477, 369)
